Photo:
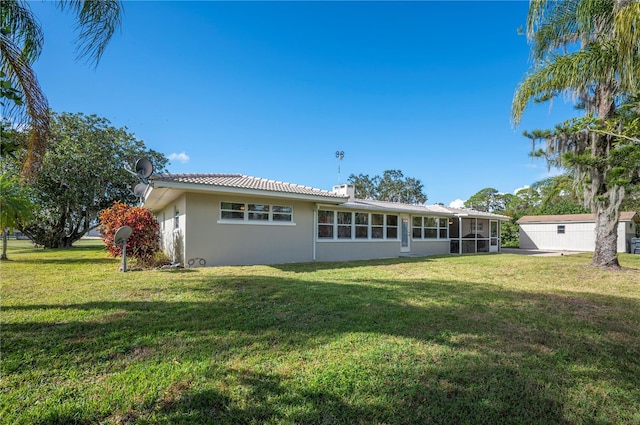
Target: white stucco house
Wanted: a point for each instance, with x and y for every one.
(572, 232)
(234, 219)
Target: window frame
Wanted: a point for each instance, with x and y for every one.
(344, 219)
(255, 213)
(430, 225)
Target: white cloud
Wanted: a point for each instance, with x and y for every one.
(181, 157)
(458, 203)
(520, 188)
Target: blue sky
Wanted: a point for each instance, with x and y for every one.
(274, 89)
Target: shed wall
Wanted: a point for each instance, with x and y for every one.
(576, 237)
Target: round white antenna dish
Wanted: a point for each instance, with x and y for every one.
(122, 234)
(144, 168)
(139, 190)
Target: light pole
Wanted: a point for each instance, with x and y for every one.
(339, 155)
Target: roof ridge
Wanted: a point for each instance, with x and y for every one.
(302, 186)
(200, 174)
(243, 181)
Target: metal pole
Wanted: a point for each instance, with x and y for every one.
(339, 155)
(124, 256)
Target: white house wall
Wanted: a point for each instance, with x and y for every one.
(226, 243)
(172, 236)
(356, 250)
(422, 248)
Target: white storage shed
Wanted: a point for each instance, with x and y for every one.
(572, 232)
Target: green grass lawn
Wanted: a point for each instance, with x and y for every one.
(486, 339)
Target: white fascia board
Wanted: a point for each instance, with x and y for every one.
(194, 187)
(482, 216)
(387, 210)
(161, 197)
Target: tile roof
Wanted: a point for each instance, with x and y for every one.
(422, 209)
(624, 216)
(394, 206)
(240, 181)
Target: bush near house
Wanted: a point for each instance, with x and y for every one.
(144, 243)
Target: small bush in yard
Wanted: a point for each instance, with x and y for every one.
(144, 243)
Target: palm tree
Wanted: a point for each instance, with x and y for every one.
(15, 207)
(21, 41)
(588, 49)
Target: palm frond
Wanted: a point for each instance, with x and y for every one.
(572, 74)
(97, 21)
(18, 22)
(626, 31)
(551, 25)
(34, 112)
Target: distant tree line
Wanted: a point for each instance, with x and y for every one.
(551, 196)
(392, 186)
(82, 172)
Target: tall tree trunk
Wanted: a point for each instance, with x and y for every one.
(606, 232)
(605, 200)
(4, 245)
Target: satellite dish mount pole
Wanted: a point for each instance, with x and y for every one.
(124, 256)
(339, 155)
(120, 238)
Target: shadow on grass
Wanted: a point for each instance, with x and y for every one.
(70, 261)
(331, 265)
(499, 356)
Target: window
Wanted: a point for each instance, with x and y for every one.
(264, 213)
(417, 228)
(377, 226)
(392, 227)
(176, 220)
(344, 224)
(281, 213)
(430, 228)
(259, 212)
(325, 224)
(561, 229)
(443, 225)
(231, 211)
(362, 226)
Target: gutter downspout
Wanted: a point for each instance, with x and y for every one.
(313, 232)
(460, 235)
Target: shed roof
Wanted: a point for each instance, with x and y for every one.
(574, 218)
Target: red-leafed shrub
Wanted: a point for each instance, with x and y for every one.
(144, 243)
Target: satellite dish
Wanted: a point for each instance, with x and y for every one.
(120, 238)
(144, 168)
(122, 234)
(139, 190)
